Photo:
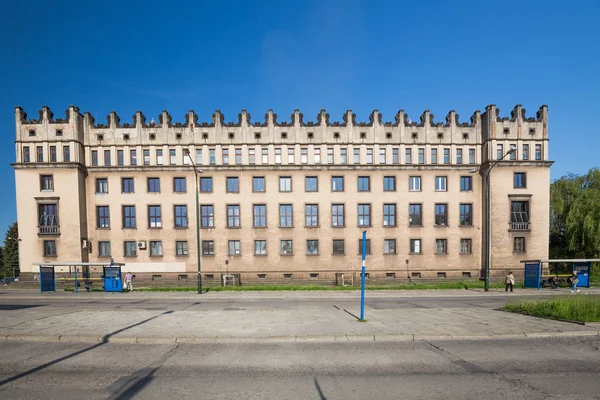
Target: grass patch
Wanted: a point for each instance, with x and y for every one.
(573, 308)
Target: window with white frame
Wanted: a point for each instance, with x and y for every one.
(441, 183)
(414, 183)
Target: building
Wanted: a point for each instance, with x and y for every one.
(283, 200)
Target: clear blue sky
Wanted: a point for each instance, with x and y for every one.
(337, 55)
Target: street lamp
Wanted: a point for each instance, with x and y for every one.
(197, 224)
(486, 175)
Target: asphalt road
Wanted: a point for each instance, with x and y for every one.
(496, 369)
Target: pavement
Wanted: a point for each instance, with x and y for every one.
(261, 317)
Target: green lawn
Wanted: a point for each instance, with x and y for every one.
(574, 307)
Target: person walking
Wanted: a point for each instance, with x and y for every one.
(128, 284)
(510, 281)
(574, 282)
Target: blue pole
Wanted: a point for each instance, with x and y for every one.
(362, 287)
(76, 285)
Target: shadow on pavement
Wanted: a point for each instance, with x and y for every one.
(105, 339)
(321, 395)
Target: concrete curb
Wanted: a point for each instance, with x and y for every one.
(289, 339)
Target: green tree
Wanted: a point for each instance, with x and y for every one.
(563, 193)
(11, 251)
(583, 224)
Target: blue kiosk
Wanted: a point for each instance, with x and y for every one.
(535, 271)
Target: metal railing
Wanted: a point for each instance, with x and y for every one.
(48, 225)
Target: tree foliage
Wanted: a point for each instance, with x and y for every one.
(10, 256)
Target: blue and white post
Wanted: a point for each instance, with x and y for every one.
(362, 276)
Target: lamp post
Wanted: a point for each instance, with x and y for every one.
(197, 224)
(486, 175)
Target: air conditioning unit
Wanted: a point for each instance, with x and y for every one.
(142, 245)
(84, 244)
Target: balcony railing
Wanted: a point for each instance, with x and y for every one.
(519, 221)
(520, 226)
(48, 225)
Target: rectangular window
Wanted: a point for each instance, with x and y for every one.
(370, 156)
(382, 154)
(130, 248)
(519, 180)
(441, 183)
(356, 159)
(471, 156)
(26, 154)
(94, 157)
(338, 247)
(311, 215)
(466, 215)
(238, 156)
(153, 185)
(186, 156)
(446, 156)
(251, 156)
(408, 156)
(364, 184)
(415, 246)
(47, 183)
(154, 217)
(459, 156)
(181, 248)
(466, 183)
(101, 185)
(389, 246)
(389, 183)
(466, 246)
(441, 214)
(414, 215)
(414, 183)
(48, 218)
(212, 156)
(234, 248)
(156, 248)
(259, 215)
(207, 214)
(102, 217)
(233, 184)
(389, 215)
(265, 156)
(133, 157)
(421, 156)
(286, 248)
(172, 157)
(343, 155)
(291, 156)
(285, 184)
(179, 185)
(66, 154)
(181, 216)
(225, 154)
(538, 152)
(337, 183)
(513, 155)
(103, 249)
(337, 216)
(233, 216)
(312, 247)
(360, 246)
(206, 185)
(519, 245)
(107, 158)
(441, 246)
(208, 248)
(120, 158)
(258, 184)
(434, 156)
(395, 155)
(260, 247)
(285, 216)
(499, 152)
(525, 152)
(311, 184)
(317, 156)
(330, 156)
(364, 215)
(52, 153)
(304, 156)
(199, 156)
(519, 215)
(129, 221)
(277, 156)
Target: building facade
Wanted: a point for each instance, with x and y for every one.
(283, 200)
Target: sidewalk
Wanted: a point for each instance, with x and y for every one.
(221, 317)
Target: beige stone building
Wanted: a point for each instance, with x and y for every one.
(283, 200)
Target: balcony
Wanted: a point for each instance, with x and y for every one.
(520, 226)
(519, 221)
(48, 225)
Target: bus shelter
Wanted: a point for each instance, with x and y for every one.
(538, 272)
(109, 274)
